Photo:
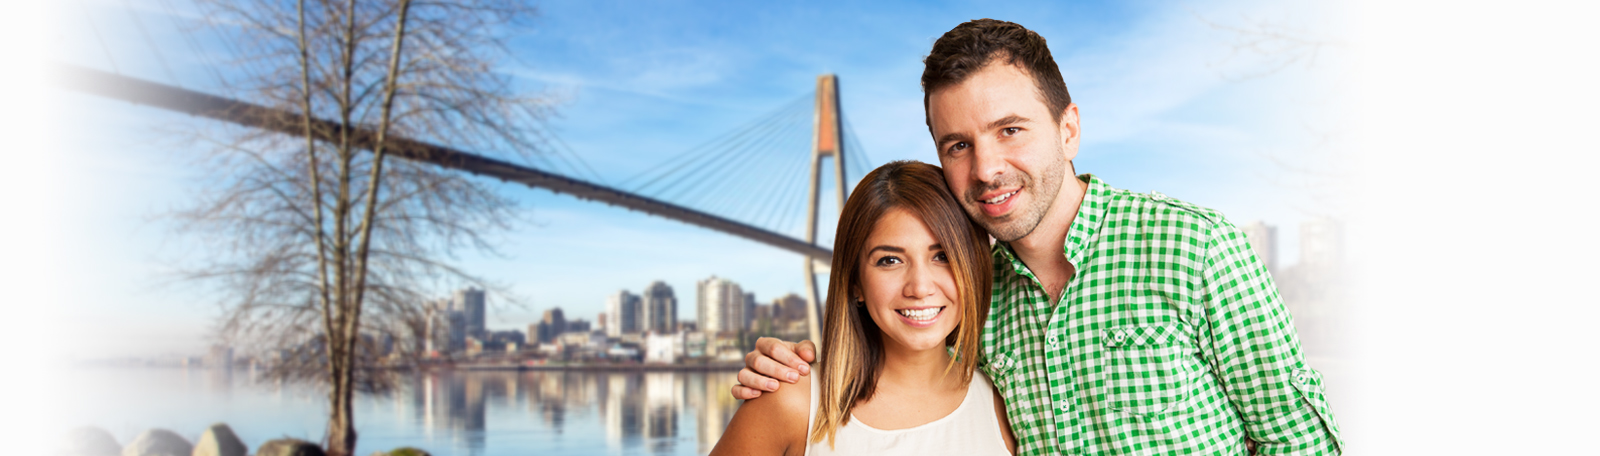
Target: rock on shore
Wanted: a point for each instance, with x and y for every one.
(158, 442)
(219, 440)
(89, 441)
(289, 447)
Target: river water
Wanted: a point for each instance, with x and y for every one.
(446, 413)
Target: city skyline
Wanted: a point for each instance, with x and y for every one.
(1163, 108)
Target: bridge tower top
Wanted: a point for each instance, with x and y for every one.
(827, 141)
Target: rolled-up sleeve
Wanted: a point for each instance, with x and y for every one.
(1255, 353)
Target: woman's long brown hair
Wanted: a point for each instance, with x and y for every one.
(852, 348)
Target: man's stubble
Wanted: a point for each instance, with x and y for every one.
(1018, 225)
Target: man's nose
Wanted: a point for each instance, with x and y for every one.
(988, 163)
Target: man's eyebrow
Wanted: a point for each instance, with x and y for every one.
(948, 137)
(1007, 120)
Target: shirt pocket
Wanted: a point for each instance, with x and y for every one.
(1145, 368)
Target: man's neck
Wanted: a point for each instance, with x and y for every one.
(1044, 249)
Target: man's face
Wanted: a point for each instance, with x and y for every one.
(1004, 155)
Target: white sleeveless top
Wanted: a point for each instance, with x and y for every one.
(972, 429)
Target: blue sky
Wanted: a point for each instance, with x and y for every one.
(1169, 103)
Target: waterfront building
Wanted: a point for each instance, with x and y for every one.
(623, 309)
(660, 309)
(789, 313)
(663, 348)
(220, 357)
(721, 306)
(1263, 239)
(470, 302)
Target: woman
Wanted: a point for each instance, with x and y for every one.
(906, 298)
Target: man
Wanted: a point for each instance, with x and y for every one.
(1121, 323)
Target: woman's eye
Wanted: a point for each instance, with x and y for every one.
(888, 260)
(1008, 131)
(940, 257)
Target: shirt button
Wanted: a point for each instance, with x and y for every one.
(1052, 341)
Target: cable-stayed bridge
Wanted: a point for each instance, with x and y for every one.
(764, 181)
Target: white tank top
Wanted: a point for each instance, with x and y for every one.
(972, 429)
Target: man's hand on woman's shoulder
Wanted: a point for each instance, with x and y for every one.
(773, 361)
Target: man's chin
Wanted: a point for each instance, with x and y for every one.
(1007, 228)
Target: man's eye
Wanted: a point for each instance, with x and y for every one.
(959, 146)
(1009, 131)
(888, 260)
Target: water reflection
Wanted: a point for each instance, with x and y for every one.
(633, 412)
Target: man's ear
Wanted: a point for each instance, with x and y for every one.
(1070, 131)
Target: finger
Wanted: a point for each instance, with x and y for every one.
(744, 393)
(750, 379)
(808, 352)
(771, 368)
(782, 353)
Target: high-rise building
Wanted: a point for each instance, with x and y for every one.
(789, 313)
(1321, 241)
(469, 301)
(1263, 240)
(623, 310)
(660, 309)
(721, 306)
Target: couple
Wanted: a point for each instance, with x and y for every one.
(1103, 321)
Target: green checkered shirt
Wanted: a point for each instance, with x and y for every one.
(1170, 339)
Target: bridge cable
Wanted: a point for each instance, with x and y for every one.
(88, 16)
(755, 172)
(722, 150)
(744, 154)
(696, 181)
(784, 190)
(721, 158)
(739, 166)
(188, 38)
(786, 195)
(704, 147)
(769, 187)
(150, 43)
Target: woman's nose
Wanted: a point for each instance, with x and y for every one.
(919, 282)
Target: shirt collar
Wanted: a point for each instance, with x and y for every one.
(1085, 225)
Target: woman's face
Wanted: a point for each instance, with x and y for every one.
(907, 282)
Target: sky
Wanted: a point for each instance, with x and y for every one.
(1172, 99)
(1468, 127)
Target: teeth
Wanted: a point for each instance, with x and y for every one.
(921, 314)
(1000, 199)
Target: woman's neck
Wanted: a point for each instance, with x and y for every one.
(903, 366)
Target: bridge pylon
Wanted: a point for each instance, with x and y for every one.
(827, 142)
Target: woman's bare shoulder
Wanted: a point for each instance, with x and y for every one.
(775, 423)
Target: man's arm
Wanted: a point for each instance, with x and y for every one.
(1255, 353)
(773, 361)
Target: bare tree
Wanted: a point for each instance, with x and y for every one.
(323, 251)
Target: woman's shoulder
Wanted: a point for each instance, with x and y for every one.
(792, 401)
(775, 423)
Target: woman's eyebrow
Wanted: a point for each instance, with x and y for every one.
(888, 248)
(936, 247)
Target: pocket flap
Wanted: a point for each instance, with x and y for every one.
(1133, 336)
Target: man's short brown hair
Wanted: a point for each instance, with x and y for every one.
(973, 44)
